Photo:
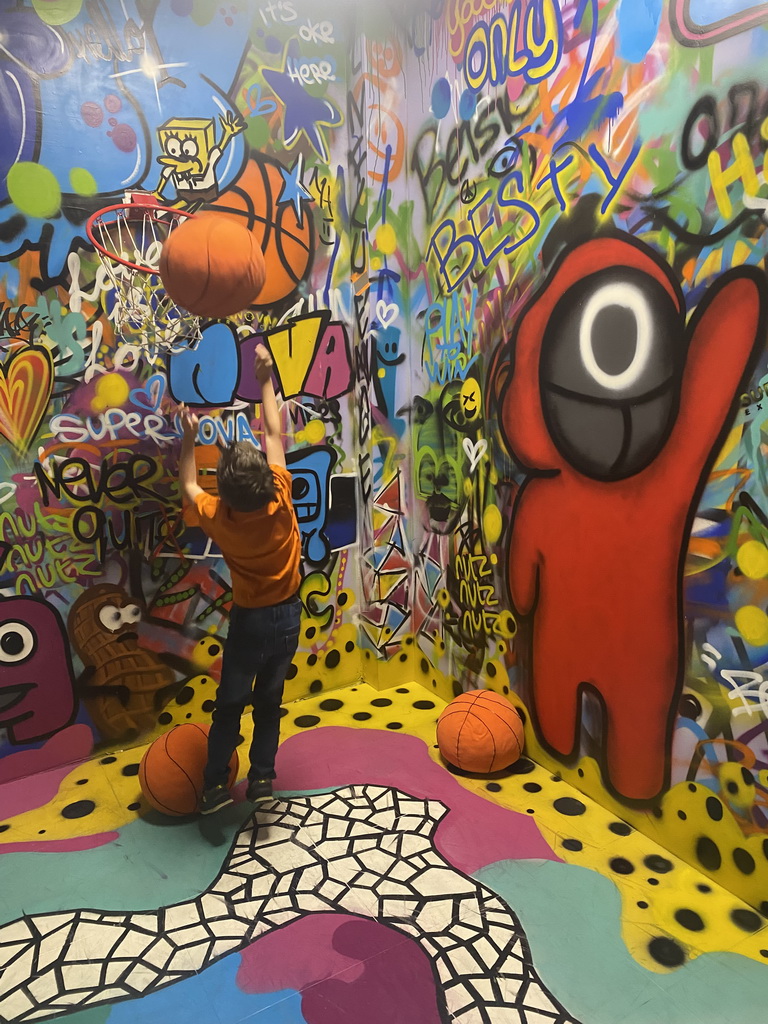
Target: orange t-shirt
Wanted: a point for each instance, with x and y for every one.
(262, 549)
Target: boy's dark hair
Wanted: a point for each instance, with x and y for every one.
(243, 477)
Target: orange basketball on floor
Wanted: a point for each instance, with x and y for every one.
(480, 731)
(171, 771)
(285, 237)
(212, 266)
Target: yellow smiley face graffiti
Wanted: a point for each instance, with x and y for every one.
(471, 400)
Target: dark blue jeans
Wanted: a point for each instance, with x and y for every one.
(257, 652)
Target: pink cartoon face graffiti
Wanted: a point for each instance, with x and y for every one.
(36, 680)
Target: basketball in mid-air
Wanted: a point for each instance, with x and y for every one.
(285, 235)
(212, 266)
(171, 771)
(481, 732)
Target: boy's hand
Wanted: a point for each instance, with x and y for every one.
(263, 364)
(189, 422)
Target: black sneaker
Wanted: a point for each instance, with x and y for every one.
(214, 799)
(259, 790)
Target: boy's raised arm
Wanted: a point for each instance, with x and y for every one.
(273, 439)
(187, 467)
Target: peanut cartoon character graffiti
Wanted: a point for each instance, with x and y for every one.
(617, 409)
(37, 695)
(123, 685)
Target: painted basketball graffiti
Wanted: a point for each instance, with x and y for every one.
(616, 407)
(285, 235)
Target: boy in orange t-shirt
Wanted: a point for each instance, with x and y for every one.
(254, 524)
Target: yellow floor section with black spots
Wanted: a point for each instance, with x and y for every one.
(670, 911)
(712, 833)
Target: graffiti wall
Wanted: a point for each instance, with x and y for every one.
(114, 604)
(516, 303)
(581, 403)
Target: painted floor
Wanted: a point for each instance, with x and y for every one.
(377, 886)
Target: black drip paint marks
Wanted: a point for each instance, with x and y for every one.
(306, 721)
(658, 864)
(622, 866)
(666, 952)
(708, 853)
(78, 809)
(747, 920)
(744, 861)
(620, 828)
(714, 808)
(690, 920)
(569, 806)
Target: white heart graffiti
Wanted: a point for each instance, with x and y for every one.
(475, 452)
(386, 313)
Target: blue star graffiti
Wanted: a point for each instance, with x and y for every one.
(302, 112)
(293, 190)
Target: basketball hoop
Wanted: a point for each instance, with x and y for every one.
(129, 238)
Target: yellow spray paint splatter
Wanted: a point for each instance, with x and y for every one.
(313, 432)
(752, 623)
(386, 239)
(492, 524)
(112, 391)
(752, 559)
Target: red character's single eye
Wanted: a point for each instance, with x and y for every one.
(611, 363)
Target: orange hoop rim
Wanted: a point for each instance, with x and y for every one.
(139, 210)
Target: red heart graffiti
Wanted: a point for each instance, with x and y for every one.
(26, 383)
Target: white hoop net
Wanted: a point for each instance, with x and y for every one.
(143, 310)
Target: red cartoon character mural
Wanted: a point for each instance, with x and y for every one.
(616, 409)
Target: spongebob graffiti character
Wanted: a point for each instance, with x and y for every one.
(190, 155)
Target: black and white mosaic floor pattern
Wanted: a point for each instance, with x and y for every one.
(364, 850)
